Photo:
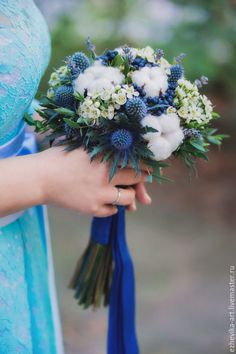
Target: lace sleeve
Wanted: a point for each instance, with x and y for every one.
(24, 55)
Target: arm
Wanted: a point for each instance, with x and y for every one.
(65, 179)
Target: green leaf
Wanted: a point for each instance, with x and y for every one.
(114, 166)
(107, 156)
(148, 129)
(79, 97)
(215, 115)
(198, 145)
(214, 140)
(65, 111)
(126, 68)
(71, 123)
(96, 150)
(125, 160)
(117, 61)
(29, 120)
(149, 178)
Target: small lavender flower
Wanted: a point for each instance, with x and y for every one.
(192, 133)
(180, 57)
(202, 81)
(127, 53)
(159, 54)
(91, 47)
(198, 83)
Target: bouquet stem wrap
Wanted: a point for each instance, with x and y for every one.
(108, 235)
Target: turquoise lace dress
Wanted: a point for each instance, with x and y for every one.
(29, 321)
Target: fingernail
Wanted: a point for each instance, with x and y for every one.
(148, 198)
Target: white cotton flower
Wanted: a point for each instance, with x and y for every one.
(169, 135)
(169, 122)
(97, 78)
(153, 79)
(160, 147)
(153, 122)
(175, 139)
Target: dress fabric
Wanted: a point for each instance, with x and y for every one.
(29, 318)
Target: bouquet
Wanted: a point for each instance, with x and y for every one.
(127, 106)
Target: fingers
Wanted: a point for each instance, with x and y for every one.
(141, 194)
(106, 210)
(120, 196)
(127, 177)
(132, 207)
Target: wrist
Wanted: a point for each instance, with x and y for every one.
(38, 179)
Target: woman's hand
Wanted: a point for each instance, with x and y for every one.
(73, 182)
(69, 180)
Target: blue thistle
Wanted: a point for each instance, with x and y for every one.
(70, 132)
(74, 71)
(176, 72)
(121, 139)
(135, 107)
(81, 61)
(64, 96)
(192, 133)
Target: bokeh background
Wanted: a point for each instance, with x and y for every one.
(185, 242)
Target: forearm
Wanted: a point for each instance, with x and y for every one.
(20, 183)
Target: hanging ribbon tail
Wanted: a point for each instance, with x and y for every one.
(92, 276)
(121, 331)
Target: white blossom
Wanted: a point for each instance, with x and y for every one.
(191, 106)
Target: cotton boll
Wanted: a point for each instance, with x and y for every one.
(169, 122)
(98, 77)
(175, 139)
(153, 79)
(152, 122)
(100, 85)
(140, 77)
(151, 89)
(82, 82)
(160, 147)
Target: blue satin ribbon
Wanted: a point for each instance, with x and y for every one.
(122, 337)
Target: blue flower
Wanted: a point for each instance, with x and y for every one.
(121, 139)
(135, 107)
(176, 72)
(80, 60)
(64, 96)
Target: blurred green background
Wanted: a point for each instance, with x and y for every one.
(185, 242)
